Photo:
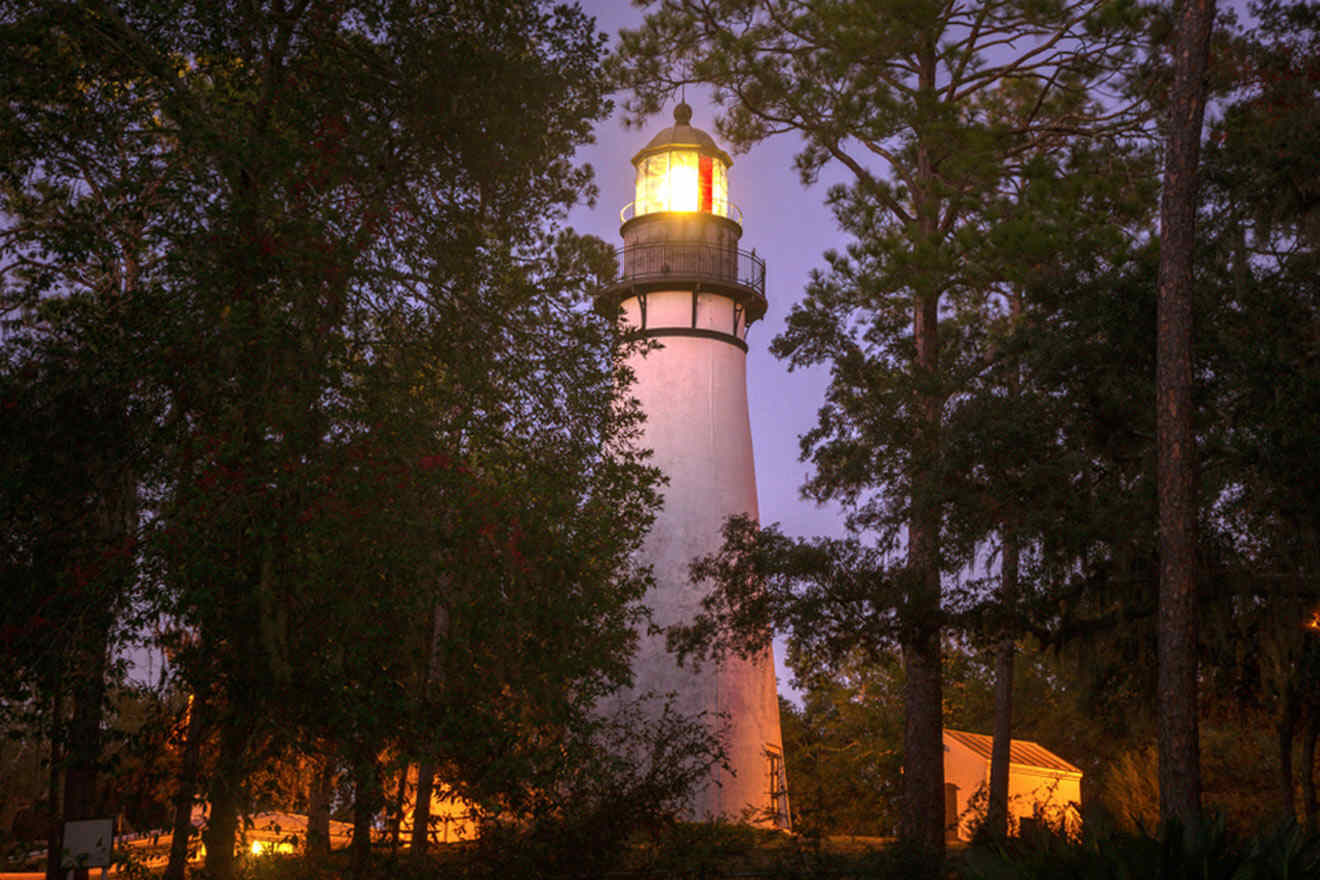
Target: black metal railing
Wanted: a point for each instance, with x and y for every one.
(656, 260)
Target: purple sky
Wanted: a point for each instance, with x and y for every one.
(790, 227)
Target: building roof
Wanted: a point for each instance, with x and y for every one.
(1021, 751)
(683, 134)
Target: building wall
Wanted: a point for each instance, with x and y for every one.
(1033, 792)
(971, 774)
(1046, 795)
(694, 392)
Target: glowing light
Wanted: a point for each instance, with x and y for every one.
(682, 183)
(681, 180)
(265, 847)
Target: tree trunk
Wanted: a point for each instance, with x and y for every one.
(426, 768)
(367, 798)
(54, 828)
(84, 743)
(923, 754)
(318, 808)
(221, 832)
(996, 813)
(923, 733)
(1286, 731)
(1309, 805)
(186, 792)
(106, 573)
(1180, 776)
(422, 812)
(222, 826)
(396, 815)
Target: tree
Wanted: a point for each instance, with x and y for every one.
(78, 244)
(842, 749)
(380, 389)
(1015, 453)
(1259, 222)
(1180, 786)
(70, 507)
(846, 738)
(930, 127)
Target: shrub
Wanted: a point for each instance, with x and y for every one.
(1286, 853)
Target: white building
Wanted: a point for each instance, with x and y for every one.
(1042, 787)
(685, 283)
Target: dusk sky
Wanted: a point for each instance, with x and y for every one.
(785, 223)
(790, 227)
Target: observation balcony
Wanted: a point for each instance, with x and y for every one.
(688, 265)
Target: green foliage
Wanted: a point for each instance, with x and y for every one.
(948, 117)
(620, 779)
(125, 865)
(1261, 237)
(1210, 854)
(68, 558)
(842, 750)
(297, 370)
(844, 744)
(390, 486)
(1130, 791)
(834, 596)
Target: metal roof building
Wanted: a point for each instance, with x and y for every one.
(1043, 788)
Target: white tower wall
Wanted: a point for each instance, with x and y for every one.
(684, 283)
(694, 393)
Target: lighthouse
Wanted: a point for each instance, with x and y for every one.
(685, 284)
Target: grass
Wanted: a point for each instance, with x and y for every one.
(710, 851)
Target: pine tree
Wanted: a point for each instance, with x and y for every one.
(1180, 786)
(380, 389)
(931, 127)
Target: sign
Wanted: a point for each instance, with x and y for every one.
(87, 843)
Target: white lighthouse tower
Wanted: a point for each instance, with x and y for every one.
(685, 283)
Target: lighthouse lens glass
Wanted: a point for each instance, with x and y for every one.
(719, 189)
(682, 180)
(652, 178)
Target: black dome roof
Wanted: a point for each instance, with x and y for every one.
(682, 134)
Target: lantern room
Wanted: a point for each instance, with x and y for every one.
(681, 233)
(682, 170)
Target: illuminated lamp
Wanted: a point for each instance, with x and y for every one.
(267, 847)
(681, 169)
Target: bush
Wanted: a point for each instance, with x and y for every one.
(630, 775)
(1286, 853)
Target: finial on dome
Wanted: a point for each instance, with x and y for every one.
(682, 113)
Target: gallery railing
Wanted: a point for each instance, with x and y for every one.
(657, 260)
